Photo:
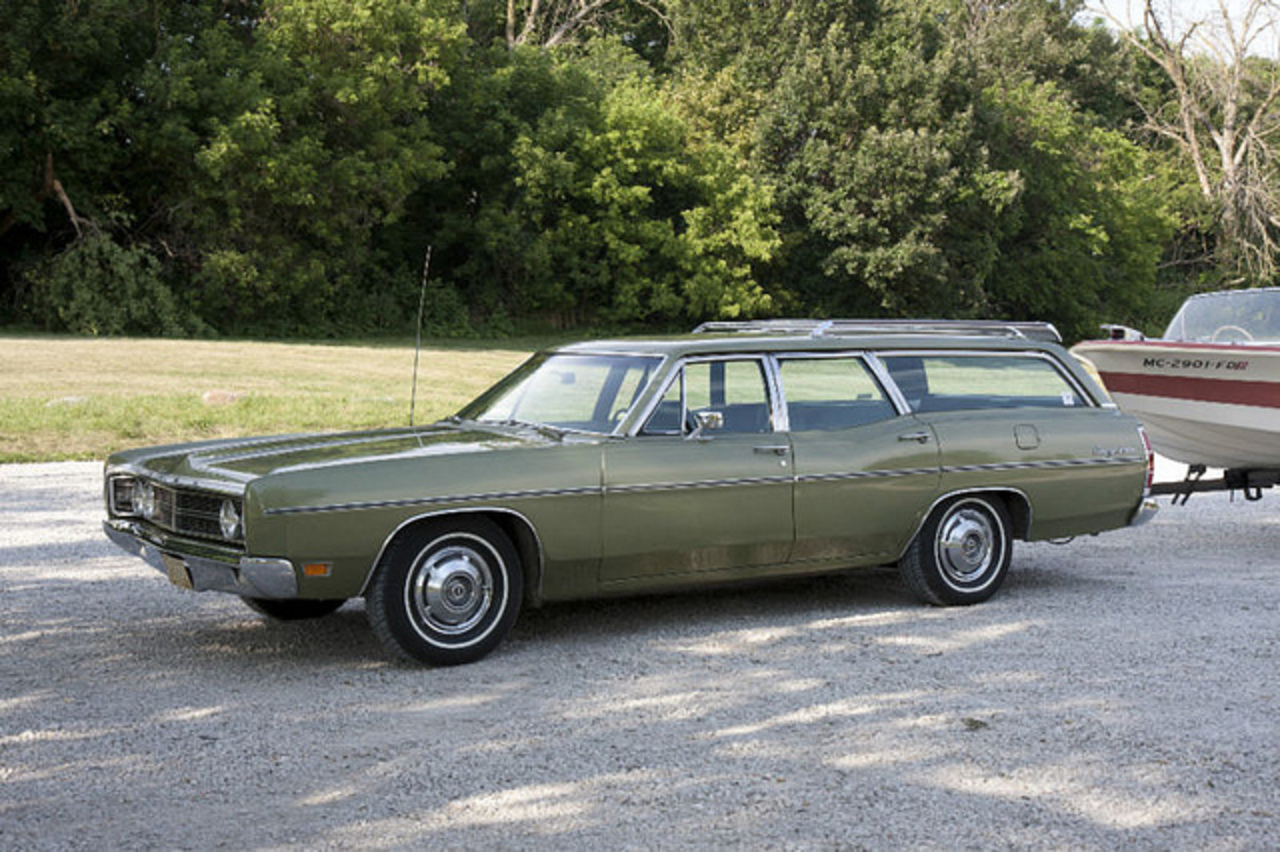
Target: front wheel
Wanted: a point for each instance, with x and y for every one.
(446, 593)
(961, 554)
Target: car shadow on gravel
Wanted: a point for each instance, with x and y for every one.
(218, 632)
(228, 640)
(773, 603)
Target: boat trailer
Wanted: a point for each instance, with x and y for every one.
(1249, 482)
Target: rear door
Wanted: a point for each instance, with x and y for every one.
(865, 473)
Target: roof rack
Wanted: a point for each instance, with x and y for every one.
(841, 327)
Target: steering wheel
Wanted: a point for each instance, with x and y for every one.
(1231, 329)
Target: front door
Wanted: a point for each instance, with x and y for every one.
(679, 502)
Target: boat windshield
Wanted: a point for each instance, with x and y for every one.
(572, 392)
(1231, 316)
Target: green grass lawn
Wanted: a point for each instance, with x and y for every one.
(65, 398)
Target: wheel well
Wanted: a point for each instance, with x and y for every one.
(1018, 507)
(515, 526)
(1015, 503)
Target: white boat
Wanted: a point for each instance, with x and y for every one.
(1208, 391)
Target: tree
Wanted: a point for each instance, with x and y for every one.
(1081, 242)
(553, 23)
(330, 138)
(89, 159)
(1222, 118)
(578, 195)
(886, 192)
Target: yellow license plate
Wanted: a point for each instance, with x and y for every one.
(177, 572)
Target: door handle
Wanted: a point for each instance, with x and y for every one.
(781, 450)
(921, 437)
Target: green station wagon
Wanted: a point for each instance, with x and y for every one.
(743, 451)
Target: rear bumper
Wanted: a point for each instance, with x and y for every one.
(1146, 511)
(206, 569)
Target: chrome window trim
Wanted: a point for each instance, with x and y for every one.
(891, 387)
(1056, 363)
(874, 368)
(767, 370)
(660, 361)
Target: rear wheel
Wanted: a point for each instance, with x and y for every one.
(446, 593)
(961, 554)
(293, 610)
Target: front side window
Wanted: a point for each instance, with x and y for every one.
(960, 382)
(825, 394)
(585, 393)
(734, 388)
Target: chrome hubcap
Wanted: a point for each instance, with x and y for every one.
(452, 589)
(968, 545)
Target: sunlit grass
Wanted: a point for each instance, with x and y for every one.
(73, 398)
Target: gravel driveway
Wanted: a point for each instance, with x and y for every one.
(1121, 691)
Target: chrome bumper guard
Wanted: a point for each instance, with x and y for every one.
(1145, 512)
(247, 576)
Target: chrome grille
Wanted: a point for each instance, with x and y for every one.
(179, 510)
(196, 514)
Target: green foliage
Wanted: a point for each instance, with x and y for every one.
(98, 287)
(1083, 240)
(282, 166)
(331, 138)
(581, 197)
(871, 143)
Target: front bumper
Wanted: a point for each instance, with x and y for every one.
(206, 569)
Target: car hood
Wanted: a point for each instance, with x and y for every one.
(243, 460)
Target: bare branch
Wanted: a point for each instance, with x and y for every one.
(550, 23)
(1225, 118)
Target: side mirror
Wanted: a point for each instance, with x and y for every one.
(706, 421)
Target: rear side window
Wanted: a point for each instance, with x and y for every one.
(827, 394)
(959, 382)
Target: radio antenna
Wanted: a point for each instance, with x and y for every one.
(417, 346)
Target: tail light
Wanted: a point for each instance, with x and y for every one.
(1151, 459)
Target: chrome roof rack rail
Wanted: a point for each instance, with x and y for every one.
(840, 327)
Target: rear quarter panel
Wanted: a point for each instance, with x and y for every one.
(1082, 470)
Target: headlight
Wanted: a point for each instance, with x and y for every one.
(229, 520)
(144, 499)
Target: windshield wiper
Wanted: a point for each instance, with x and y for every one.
(544, 429)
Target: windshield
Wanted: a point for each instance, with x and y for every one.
(582, 393)
(1227, 317)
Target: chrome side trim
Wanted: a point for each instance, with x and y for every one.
(489, 497)
(435, 501)
(972, 468)
(1044, 465)
(699, 484)
(868, 474)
